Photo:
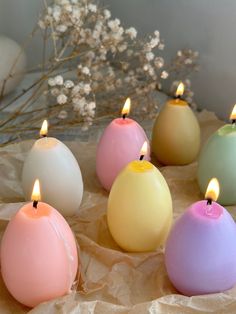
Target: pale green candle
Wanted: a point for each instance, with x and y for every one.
(217, 159)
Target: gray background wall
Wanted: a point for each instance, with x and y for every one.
(205, 25)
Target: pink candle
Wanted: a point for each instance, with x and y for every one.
(38, 255)
(120, 144)
(200, 253)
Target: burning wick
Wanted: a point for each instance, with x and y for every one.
(212, 192)
(36, 196)
(126, 109)
(143, 151)
(44, 129)
(179, 91)
(233, 116)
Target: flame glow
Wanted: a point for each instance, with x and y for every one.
(233, 113)
(144, 149)
(36, 196)
(180, 89)
(213, 190)
(44, 128)
(126, 108)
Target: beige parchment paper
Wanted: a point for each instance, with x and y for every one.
(112, 281)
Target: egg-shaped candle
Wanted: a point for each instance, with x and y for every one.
(200, 253)
(139, 212)
(176, 132)
(55, 166)
(39, 258)
(217, 159)
(119, 144)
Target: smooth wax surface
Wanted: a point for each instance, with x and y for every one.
(200, 252)
(139, 212)
(38, 255)
(120, 143)
(50, 161)
(176, 134)
(217, 159)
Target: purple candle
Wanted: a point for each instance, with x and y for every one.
(120, 144)
(200, 253)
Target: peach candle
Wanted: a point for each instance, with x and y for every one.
(38, 253)
(176, 132)
(139, 212)
(55, 166)
(120, 143)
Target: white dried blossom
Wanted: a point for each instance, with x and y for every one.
(131, 32)
(62, 114)
(161, 46)
(55, 92)
(58, 80)
(159, 62)
(87, 89)
(56, 13)
(61, 28)
(164, 75)
(86, 71)
(41, 24)
(61, 99)
(154, 42)
(150, 56)
(179, 53)
(75, 90)
(107, 14)
(51, 81)
(113, 24)
(69, 84)
(157, 33)
(188, 61)
(92, 7)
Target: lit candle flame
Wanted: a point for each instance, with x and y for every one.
(233, 113)
(143, 150)
(44, 128)
(36, 196)
(126, 109)
(213, 190)
(180, 90)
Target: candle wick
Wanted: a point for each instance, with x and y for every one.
(209, 201)
(234, 122)
(44, 135)
(35, 204)
(141, 157)
(124, 116)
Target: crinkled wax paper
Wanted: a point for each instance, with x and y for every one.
(112, 281)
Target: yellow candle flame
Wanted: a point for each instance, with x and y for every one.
(213, 190)
(233, 113)
(180, 90)
(44, 128)
(144, 149)
(36, 196)
(126, 108)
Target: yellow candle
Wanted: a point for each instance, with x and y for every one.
(176, 134)
(139, 210)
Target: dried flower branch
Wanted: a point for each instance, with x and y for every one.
(94, 65)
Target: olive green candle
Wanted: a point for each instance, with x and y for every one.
(176, 134)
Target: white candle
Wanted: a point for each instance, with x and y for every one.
(55, 166)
